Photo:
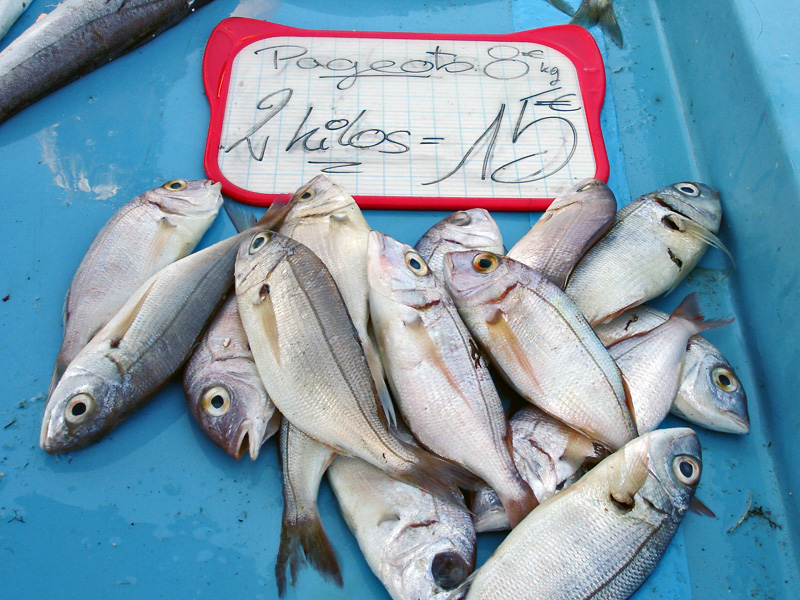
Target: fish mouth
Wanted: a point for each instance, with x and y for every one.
(246, 440)
(741, 423)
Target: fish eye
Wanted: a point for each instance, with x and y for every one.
(79, 407)
(176, 185)
(306, 195)
(460, 218)
(588, 186)
(259, 240)
(417, 264)
(485, 262)
(686, 469)
(449, 570)
(216, 401)
(724, 379)
(687, 188)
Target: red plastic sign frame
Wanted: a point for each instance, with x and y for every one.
(231, 35)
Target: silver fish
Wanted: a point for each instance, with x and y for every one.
(604, 535)
(224, 390)
(540, 343)
(651, 362)
(418, 546)
(648, 251)
(151, 231)
(327, 220)
(592, 12)
(310, 359)
(10, 11)
(140, 347)
(304, 463)
(547, 454)
(76, 38)
(571, 225)
(710, 394)
(472, 229)
(438, 375)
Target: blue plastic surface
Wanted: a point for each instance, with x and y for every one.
(701, 90)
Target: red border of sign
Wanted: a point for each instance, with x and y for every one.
(235, 33)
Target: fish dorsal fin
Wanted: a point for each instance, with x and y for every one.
(628, 474)
(121, 323)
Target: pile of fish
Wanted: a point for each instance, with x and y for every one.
(378, 364)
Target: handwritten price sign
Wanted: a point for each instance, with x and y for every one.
(404, 120)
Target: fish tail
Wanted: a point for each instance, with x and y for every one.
(690, 310)
(591, 13)
(241, 219)
(438, 477)
(305, 533)
(563, 7)
(519, 503)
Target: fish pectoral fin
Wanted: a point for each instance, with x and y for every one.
(122, 322)
(269, 323)
(502, 334)
(578, 448)
(429, 352)
(629, 475)
(164, 231)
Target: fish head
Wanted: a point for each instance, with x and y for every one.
(81, 408)
(472, 229)
(396, 271)
(321, 198)
(260, 253)
(674, 466)
(199, 198)
(430, 559)
(585, 191)
(478, 277)
(232, 407)
(711, 393)
(695, 201)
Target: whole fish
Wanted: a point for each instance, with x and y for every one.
(651, 362)
(439, 377)
(592, 12)
(417, 545)
(76, 38)
(710, 394)
(604, 535)
(304, 463)
(472, 229)
(540, 343)
(568, 228)
(310, 358)
(144, 236)
(547, 454)
(224, 390)
(648, 251)
(327, 220)
(10, 11)
(141, 346)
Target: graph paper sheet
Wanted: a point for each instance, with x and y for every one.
(402, 122)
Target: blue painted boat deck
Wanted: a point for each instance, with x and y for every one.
(701, 91)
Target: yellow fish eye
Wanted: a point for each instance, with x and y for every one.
(176, 185)
(305, 195)
(724, 379)
(216, 401)
(79, 407)
(416, 264)
(485, 262)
